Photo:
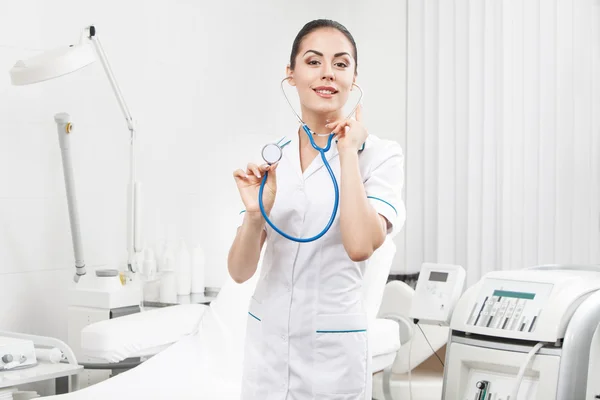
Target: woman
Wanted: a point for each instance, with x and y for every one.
(306, 335)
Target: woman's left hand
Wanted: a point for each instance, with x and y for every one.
(349, 133)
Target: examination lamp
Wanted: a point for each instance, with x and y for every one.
(59, 62)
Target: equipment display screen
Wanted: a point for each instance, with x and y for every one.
(438, 276)
(514, 295)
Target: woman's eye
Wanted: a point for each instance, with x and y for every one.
(313, 62)
(341, 65)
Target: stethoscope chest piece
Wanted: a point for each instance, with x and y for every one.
(271, 153)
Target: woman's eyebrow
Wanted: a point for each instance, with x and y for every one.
(314, 51)
(321, 54)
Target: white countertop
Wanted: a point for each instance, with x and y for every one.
(42, 371)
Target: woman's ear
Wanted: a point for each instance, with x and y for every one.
(290, 75)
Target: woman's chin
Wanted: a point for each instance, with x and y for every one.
(325, 109)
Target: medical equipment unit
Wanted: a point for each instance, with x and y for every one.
(62, 61)
(273, 152)
(530, 334)
(16, 353)
(26, 359)
(438, 289)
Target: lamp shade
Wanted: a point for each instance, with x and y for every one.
(52, 64)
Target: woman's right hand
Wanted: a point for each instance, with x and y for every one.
(248, 183)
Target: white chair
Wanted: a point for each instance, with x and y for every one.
(427, 385)
(384, 343)
(384, 337)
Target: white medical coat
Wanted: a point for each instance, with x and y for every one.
(307, 329)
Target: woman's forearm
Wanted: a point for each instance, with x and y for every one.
(245, 250)
(362, 227)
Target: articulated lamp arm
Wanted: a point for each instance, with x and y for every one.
(134, 239)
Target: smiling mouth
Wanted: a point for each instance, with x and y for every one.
(325, 91)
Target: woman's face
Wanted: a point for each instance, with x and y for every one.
(324, 71)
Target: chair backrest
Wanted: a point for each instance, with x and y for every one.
(397, 301)
(375, 276)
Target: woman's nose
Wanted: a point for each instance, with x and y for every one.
(328, 73)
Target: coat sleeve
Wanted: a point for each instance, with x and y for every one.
(384, 184)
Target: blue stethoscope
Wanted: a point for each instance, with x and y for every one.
(273, 152)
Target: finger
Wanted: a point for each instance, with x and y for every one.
(240, 173)
(272, 177)
(341, 121)
(333, 124)
(270, 169)
(263, 168)
(358, 113)
(340, 128)
(253, 168)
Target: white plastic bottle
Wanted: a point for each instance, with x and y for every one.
(167, 260)
(168, 280)
(183, 270)
(149, 269)
(168, 287)
(198, 264)
(160, 254)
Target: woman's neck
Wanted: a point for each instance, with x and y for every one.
(316, 123)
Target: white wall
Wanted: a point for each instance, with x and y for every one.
(202, 80)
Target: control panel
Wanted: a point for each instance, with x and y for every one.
(509, 305)
(438, 289)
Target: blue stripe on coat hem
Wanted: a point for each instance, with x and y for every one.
(254, 316)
